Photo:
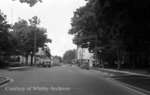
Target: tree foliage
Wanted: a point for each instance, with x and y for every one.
(31, 3)
(5, 37)
(25, 37)
(47, 51)
(69, 56)
(115, 27)
(7, 47)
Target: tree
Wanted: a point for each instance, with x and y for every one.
(69, 56)
(25, 34)
(30, 2)
(85, 28)
(21, 32)
(58, 58)
(4, 34)
(116, 27)
(47, 52)
(6, 40)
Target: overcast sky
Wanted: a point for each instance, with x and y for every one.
(55, 15)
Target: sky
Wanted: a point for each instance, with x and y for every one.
(55, 16)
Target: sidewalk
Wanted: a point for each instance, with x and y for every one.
(4, 79)
(135, 80)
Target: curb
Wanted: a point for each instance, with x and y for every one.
(17, 68)
(126, 84)
(5, 81)
(125, 72)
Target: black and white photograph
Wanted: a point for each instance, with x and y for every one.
(74, 47)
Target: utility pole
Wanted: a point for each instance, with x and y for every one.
(34, 22)
(35, 41)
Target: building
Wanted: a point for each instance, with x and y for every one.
(83, 54)
(42, 58)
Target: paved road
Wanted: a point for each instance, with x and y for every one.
(64, 80)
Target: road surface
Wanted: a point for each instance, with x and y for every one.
(63, 80)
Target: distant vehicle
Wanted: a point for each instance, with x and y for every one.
(13, 61)
(46, 64)
(83, 63)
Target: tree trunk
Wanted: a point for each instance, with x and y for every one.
(118, 64)
(118, 59)
(26, 59)
(31, 59)
(97, 59)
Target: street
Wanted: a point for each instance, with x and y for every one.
(62, 80)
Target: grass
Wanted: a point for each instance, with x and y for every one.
(137, 81)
